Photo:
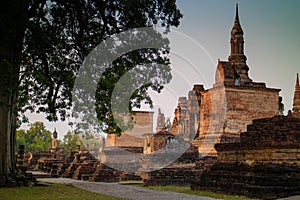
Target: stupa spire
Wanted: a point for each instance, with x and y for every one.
(237, 13)
(237, 41)
(297, 82)
(296, 102)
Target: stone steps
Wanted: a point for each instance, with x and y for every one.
(267, 182)
(39, 174)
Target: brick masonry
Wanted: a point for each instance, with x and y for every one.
(264, 164)
(143, 124)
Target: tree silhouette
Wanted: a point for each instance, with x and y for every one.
(44, 42)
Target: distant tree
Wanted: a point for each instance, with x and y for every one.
(87, 141)
(20, 139)
(69, 139)
(36, 138)
(43, 43)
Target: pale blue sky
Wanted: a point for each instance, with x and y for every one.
(272, 46)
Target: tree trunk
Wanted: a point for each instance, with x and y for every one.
(7, 139)
(12, 24)
(9, 75)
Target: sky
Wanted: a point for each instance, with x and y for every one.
(272, 46)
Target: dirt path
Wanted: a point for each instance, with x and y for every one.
(124, 191)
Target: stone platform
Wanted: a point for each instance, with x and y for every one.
(264, 164)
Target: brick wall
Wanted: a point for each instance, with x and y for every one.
(143, 123)
(264, 164)
(226, 111)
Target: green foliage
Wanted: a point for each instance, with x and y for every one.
(85, 140)
(55, 191)
(36, 138)
(139, 82)
(69, 139)
(60, 34)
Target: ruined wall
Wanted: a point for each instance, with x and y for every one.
(180, 176)
(187, 114)
(212, 119)
(143, 124)
(125, 140)
(225, 112)
(161, 139)
(181, 116)
(245, 104)
(270, 140)
(160, 121)
(264, 164)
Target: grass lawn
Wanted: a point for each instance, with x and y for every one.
(187, 190)
(51, 192)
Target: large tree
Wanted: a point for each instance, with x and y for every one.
(43, 43)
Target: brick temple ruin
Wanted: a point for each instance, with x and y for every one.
(133, 140)
(264, 163)
(264, 160)
(242, 143)
(245, 144)
(226, 109)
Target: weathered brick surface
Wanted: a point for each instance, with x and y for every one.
(245, 104)
(226, 112)
(69, 170)
(143, 123)
(262, 181)
(177, 173)
(170, 176)
(270, 140)
(187, 113)
(82, 164)
(84, 171)
(264, 164)
(103, 173)
(161, 139)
